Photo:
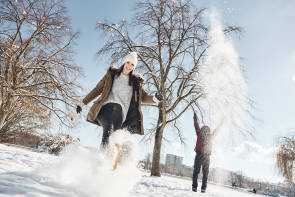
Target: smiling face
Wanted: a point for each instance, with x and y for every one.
(128, 67)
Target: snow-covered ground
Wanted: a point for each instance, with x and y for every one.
(81, 172)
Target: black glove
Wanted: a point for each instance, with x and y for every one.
(159, 96)
(78, 109)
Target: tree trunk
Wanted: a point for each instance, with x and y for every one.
(157, 152)
(3, 114)
(2, 118)
(155, 171)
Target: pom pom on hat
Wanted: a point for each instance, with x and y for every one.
(132, 58)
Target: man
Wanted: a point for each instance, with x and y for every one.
(203, 151)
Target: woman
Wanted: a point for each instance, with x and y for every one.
(119, 104)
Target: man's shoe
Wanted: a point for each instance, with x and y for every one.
(194, 189)
(203, 190)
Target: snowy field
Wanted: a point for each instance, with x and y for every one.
(81, 172)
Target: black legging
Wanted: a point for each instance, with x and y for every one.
(110, 117)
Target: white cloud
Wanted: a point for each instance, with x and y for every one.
(293, 78)
(255, 153)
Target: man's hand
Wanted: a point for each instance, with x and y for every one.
(196, 124)
(218, 128)
(195, 117)
(78, 109)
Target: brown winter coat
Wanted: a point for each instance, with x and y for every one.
(134, 119)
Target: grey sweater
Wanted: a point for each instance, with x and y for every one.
(121, 93)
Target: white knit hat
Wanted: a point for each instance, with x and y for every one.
(131, 57)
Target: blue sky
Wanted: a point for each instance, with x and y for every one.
(267, 48)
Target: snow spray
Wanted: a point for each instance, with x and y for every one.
(89, 172)
(226, 94)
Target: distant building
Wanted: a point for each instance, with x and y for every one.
(173, 164)
(174, 160)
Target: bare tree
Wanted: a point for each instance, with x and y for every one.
(171, 40)
(56, 142)
(37, 74)
(147, 162)
(286, 157)
(24, 121)
(240, 178)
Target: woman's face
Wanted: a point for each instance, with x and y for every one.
(128, 67)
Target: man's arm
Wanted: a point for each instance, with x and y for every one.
(196, 124)
(218, 128)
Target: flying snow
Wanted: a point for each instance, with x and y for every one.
(90, 171)
(226, 94)
(222, 80)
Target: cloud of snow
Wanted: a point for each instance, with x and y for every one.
(223, 82)
(255, 153)
(225, 88)
(89, 172)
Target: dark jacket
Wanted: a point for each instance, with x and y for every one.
(198, 143)
(134, 119)
(204, 142)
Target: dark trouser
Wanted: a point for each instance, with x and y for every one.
(203, 160)
(110, 117)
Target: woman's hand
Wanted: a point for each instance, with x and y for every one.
(159, 96)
